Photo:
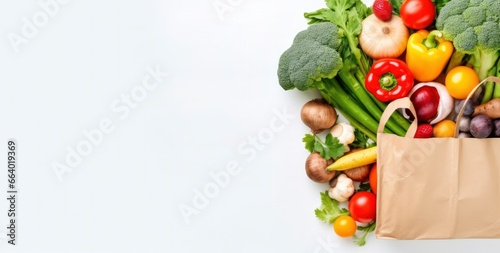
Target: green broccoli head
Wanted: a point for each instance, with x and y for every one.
(474, 28)
(312, 57)
(471, 24)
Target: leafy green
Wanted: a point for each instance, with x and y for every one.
(366, 230)
(360, 139)
(329, 210)
(364, 186)
(438, 3)
(348, 16)
(330, 148)
(396, 5)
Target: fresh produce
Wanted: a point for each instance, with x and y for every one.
(373, 178)
(383, 39)
(359, 173)
(345, 226)
(359, 59)
(418, 14)
(474, 29)
(496, 126)
(341, 188)
(362, 206)
(432, 102)
(331, 148)
(344, 132)
(318, 115)
(444, 128)
(464, 124)
(353, 160)
(481, 126)
(382, 9)
(424, 131)
(427, 54)
(312, 62)
(469, 107)
(460, 81)
(316, 168)
(329, 210)
(389, 79)
(490, 109)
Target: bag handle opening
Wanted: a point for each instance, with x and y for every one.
(474, 95)
(401, 103)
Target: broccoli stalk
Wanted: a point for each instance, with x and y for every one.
(474, 28)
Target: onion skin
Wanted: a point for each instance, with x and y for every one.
(444, 106)
(316, 168)
(383, 39)
(318, 115)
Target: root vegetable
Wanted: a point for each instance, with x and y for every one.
(383, 39)
(318, 115)
(481, 126)
(316, 168)
(490, 109)
(432, 102)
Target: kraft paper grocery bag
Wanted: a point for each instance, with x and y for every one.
(437, 188)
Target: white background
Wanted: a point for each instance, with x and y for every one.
(219, 105)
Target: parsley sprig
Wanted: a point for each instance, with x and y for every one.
(328, 149)
(329, 210)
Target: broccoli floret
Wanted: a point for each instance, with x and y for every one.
(473, 27)
(312, 57)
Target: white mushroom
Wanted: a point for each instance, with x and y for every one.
(343, 189)
(344, 132)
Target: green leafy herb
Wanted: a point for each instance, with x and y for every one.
(360, 139)
(329, 210)
(366, 230)
(439, 5)
(396, 5)
(364, 186)
(330, 148)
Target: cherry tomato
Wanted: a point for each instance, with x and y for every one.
(363, 206)
(373, 178)
(460, 81)
(417, 14)
(345, 226)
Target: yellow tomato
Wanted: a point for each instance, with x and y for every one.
(345, 226)
(460, 81)
(444, 128)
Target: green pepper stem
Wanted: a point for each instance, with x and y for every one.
(431, 40)
(388, 81)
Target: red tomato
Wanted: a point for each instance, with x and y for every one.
(373, 178)
(417, 14)
(363, 206)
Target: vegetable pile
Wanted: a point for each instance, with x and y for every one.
(360, 58)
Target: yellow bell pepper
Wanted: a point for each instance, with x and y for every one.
(427, 54)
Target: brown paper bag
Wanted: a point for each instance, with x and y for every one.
(437, 188)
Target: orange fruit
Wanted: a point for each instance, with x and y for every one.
(444, 128)
(460, 81)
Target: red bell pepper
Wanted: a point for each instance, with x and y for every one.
(389, 79)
